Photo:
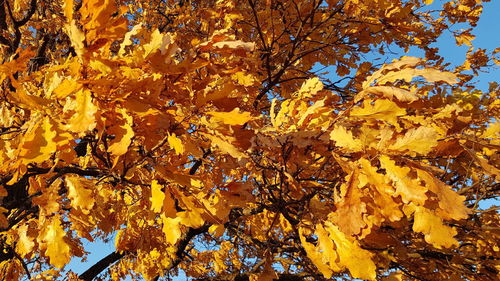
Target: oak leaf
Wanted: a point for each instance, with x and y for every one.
(420, 140)
(157, 196)
(380, 109)
(82, 197)
(450, 202)
(345, 139)
(57, 249)
(26, 243)
(234, 117)
(123, 134)
(84, 109)
(314, 255)
(408, 188)
(351, 255)
(436, 233)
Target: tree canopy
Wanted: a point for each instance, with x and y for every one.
(246, 140)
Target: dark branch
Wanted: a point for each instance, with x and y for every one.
(101, 265)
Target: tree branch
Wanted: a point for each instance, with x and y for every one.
(100, 266)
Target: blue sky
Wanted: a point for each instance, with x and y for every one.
(487, 36)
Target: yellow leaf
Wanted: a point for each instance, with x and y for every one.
(175, 143)
(66, 88)
(449, 201)
(464, 38)
(351, 255)
(97, 13)
(388, 92)
(25, 243)
(158, 42)
(217, 230)
(237, 44)
(483, 163)
(314, 255)
(226, 146)
(57, 249)
(84, 112)
(436, 233)
(420, 140)
(38, 143)
(76, 36)
(350, 208)
(123, 132)
(312, 112)
(157, 196)
(243, 78)
(404, 61)
(68, 9)
(54, 81)
(233, 117)
(493, 130)
(407, 74)
(192, 218)
(408, 188)
(171, 229)
(80, 193)
(327, 248)
(30, 101)
(435, 75)
(127, 41)
(101, 66)
(345, 139)
(388, 207)
(310, 88)
(381, 109)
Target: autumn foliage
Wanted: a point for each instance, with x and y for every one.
(246, 140)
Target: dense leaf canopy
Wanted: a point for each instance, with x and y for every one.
(246, 140)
